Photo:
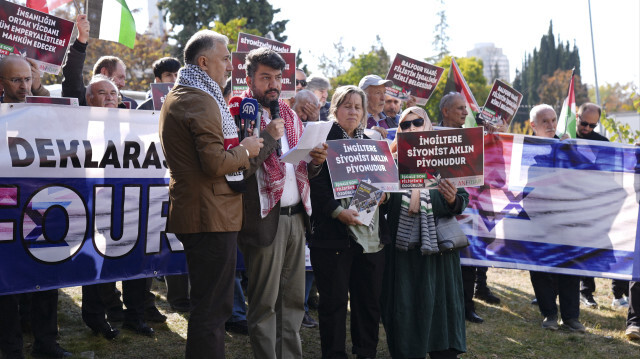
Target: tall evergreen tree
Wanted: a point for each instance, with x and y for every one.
(542, 64)
(440, 37)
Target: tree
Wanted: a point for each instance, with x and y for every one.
(553, 89)
(334, 65)
(540, 66)
(440, 38)
(615, 98)
(299, 62)
(194, 15)
(138, 60)
(622, 132)
(472, 70)
(375, 62)
(232, 29)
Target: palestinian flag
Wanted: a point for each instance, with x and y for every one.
(112, 20)
(567, 118)
(45, 5)
(457, 83)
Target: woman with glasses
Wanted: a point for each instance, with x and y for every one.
(422, 300)
(346, 255)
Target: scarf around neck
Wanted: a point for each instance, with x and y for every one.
(271, 176)
(193, 76)
(423, 235)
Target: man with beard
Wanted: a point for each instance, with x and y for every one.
(277, 206)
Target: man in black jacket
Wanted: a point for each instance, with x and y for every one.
(109, 66)
(165, 70)
(588, 117)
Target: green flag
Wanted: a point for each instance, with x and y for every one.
(567, 118)
(112, 20)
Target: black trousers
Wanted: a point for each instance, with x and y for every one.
(94, 307)
(43, 317)
(211, 260)
(348, 276)
(471, 276)
(633, 318)
(548, 286)
(618, 287)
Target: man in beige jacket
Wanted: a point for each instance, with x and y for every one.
(200, 143)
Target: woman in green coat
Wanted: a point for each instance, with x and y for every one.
(422, 300)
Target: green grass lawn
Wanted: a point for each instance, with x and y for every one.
(511, 329)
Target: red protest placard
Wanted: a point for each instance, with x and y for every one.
(34, 34)
(248, 42)
(455, 154)
(158, 93)
(501, 105)
(413, 77)
(239, 74)
(352, 161)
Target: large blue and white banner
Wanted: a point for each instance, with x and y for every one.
(83, 198)
(556, 206)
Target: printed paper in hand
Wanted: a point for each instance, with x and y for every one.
(314, 134)
(365, 202)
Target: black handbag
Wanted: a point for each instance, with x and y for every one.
(450, 235)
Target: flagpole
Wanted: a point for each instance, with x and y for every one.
(593, 50)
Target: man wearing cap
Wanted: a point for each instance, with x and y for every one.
(375, 88)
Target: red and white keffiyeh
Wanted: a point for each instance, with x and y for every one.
(271, 176)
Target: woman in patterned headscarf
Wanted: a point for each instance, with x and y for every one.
(422, 300)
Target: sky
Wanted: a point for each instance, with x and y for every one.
(515, 26)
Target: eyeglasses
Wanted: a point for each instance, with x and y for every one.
(418, 122)
(302, 83)
(585, 123)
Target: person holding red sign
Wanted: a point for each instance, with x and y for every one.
(454, 112)
(422, 301)
(346, 255)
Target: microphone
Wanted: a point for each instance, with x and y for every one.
(234, 108)
(274, 108)
(249, 110)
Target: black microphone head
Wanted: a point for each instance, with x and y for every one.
(274, 108)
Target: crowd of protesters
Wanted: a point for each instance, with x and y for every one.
(379, 272)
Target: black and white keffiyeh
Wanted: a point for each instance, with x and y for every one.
(193, 76)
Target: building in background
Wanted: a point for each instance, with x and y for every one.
(156, 19)
(496, 64)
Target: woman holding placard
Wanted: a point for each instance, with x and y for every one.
(346, 256)
(422, 301)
